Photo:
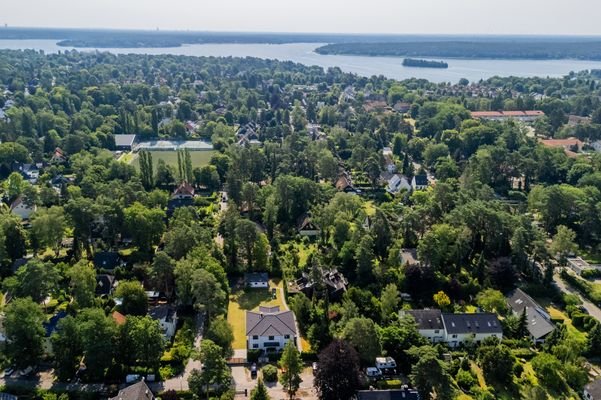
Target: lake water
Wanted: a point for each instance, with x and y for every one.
(390, 67)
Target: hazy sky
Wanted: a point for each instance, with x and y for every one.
(579, 17)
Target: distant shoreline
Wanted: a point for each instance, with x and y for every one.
(502, 47)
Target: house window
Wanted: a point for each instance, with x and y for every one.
(286, 336)
(255, 346)
(271, 337)
(255, 337)
(454, 336)
(437, 331)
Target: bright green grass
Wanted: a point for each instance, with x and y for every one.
(199, 158)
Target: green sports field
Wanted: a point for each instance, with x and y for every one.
(199, 158)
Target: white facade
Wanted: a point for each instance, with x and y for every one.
(258, 284)
(454, 340)
(22, 210)
(433, 335)
(276, 343)
(398, 183)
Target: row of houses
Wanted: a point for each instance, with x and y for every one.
(524, 116)
(456, 329)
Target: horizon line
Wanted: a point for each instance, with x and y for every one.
(314, 33)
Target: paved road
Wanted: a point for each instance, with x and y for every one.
(592, 309)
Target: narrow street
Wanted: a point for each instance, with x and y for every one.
(591, 308)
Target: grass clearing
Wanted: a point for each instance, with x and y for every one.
(247, 300)
(572, 330)
(199, 158)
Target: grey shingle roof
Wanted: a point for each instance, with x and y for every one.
(594, 389)
(427, 319)
(539, 321)
(124, 140)
(256, 277)
(137, 391)
(270, 324)
(471, 323)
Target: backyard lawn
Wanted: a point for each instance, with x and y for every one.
(250, 299)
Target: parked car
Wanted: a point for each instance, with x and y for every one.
(8, 372)
(314, 367)
(274, 293)
(253, 371)
(373, 372)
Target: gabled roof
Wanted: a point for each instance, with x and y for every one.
(306, 223)
(124, 140)
(270, 323)
(162, 312)
(184, 189)
(539, 321)
(104, 284)
(106, 260)
(119, 318)
(421, 180)
(256, 277)
(137, 391)
(427, 319)
(462, 323)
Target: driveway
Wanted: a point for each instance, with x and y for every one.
(242, 380)
(180, 382)
(592, 309)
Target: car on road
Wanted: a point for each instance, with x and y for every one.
(314, 366)
(583, 309)
(253, 371)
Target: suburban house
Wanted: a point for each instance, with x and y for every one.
(20, 208)
(578, 265)
(183, 196)
(270, 329)
(183, 191)
(429, 324)
(392, 394)
(29, 172)
(409, 257)
(107, 260)
(457, 329)
(256, 280)
(167, 317)
(104, 284)
(50, 327)
(464, 327)
(592, 391)
(332, 280)
(572, 146)
(125, 142)
(398, 183)
(306, 226)
(58, 157)
(419, 182)
(344, 184)
(388, 160)
(539, 321)
(137, 391)
(524, 116)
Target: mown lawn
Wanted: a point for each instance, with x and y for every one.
(572, 330)
(199, 158)
(250, 299)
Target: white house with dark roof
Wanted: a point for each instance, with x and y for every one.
(464, 327)
(539, 321)
(429, 324)
(166, 315)
(20, 208)
(256, 280)
(270, 329)
(456, 329)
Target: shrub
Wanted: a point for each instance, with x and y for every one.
(270, 373)
(308, 356)
(465, 379)
(253, 355)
